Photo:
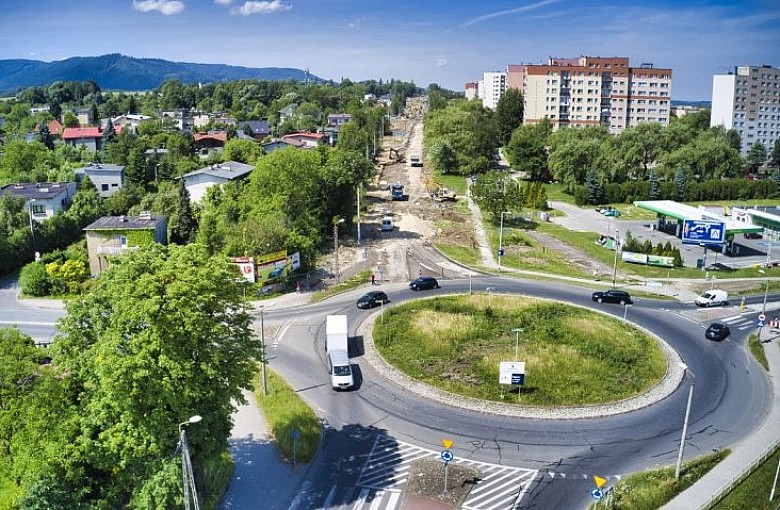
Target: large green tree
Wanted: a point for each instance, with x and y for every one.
(163, 335)
(527, 149)
(509, 114)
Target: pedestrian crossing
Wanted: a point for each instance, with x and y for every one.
(386, 471)
(740, 322)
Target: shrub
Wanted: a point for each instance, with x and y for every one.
(34, 279)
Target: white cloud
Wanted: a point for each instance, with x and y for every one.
(223, 2)
(250, 8)
(166, 7)
(441, 62)
(492, 15)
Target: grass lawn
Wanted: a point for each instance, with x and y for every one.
(753, 492)
(284, 412)
(757, 349)
(462, 254)
(651, 490)
(573, 356)
(344, 286)
(7, 493)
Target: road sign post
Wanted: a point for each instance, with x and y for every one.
(446, 456)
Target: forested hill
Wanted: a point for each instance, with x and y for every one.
(119, 72)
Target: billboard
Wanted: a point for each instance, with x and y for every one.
(703, 232)
(246, 266)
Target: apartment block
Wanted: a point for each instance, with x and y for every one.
(748, 101)
(591, 91)
(491, 88)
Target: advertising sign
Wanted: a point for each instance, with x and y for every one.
(511, 372)
(246, 266)
(704, 232)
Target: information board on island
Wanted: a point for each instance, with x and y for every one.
(511, 372)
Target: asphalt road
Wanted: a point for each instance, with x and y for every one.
(37, 318)
(729, 401)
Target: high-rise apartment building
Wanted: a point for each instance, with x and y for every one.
(591, 91)
(748, 101)
(472, 90)
(491, 88)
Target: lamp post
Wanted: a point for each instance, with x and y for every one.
(32, 228)
(358, 214)
(188, 477)
(685, 423)
(614, 268)
(336, 224)
(517, 341)
(501, 240)
(766, 292)
(489, 290)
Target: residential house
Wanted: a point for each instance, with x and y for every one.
(273, 145)
(115, 235)
(201, 120)
(108, 179)
(55, 128)
(336, 120)
(85, 116)
(42, 200)
(90, 137)
(130, 120)
(198, 181)
(181, 119)
(304, 139)
(287, 113)
(209, 143)
(257, 129)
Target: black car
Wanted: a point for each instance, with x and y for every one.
(717, 331)
(372, 299)
(424, 282)
(752, 235)
(613, 296)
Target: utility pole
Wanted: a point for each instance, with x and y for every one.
(614, 268)
(358, 214)
(336, 224)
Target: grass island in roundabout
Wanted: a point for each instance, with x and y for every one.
(573, 356)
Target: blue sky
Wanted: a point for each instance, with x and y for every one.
(444, 42)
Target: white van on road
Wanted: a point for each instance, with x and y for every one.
(713, 298)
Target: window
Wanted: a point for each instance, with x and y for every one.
(123, 241)
(38, 209)
(104, 187)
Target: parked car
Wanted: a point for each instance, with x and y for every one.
(372, 299)
(613, 296)
(424, 282)
(611, 212)
(717, 331)
(752, 235)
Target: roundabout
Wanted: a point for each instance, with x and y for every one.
(565, 447)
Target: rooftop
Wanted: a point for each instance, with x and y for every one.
(229, 170)
(141, 222)
(37, 190)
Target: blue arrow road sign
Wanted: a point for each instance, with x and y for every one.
(760, 324)
(597, 494)
(447, 456)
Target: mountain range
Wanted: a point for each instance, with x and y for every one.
(120, 72)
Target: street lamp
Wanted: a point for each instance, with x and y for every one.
(614, 268)
(336, 224)
(489, 290)
(766, 292)
(517, 341)
(501, 240)
(265, 358)
(685, 424)
(32, 228)
(188, 477)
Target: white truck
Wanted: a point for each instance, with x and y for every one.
(713, 298)
(337, 348)
(387, 224)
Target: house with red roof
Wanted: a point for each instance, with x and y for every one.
(304, 139)
(91, 137)
(210, 142)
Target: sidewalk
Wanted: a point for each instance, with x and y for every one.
(744, 453)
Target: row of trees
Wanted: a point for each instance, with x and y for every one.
(92, 422)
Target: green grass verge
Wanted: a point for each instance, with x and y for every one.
(345, 285)
(217, 473)
(573, 356)
(753, 492)
(284, 412)
(7, 493)
(467, 256)
(652, 489)
(757, 349)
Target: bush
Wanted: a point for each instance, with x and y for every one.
(34, 280)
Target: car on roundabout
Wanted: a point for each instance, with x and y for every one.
(423, 283)
(612, 296)
(717, 331)
(372, 299)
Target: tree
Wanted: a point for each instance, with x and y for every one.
(163, 335)
(774, 157)
(109, 133)
(509, 114)
(655, 188)
(757, 154)
(527, 150)
(594, 187)
(680, 182)
(442, 156)
(243, 151)
(44, 135)
(34, 280)
(87, 205)
(183, 225)
(69, 119)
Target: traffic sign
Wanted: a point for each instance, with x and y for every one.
(760, 324)
(447, 456)
(599, 481)
(597, 494)
(501, 252)
(447, 443)
(703, 232)
(761, 317)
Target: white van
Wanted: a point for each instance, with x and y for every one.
(340, 370)
(713, 298)
(387, 224)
